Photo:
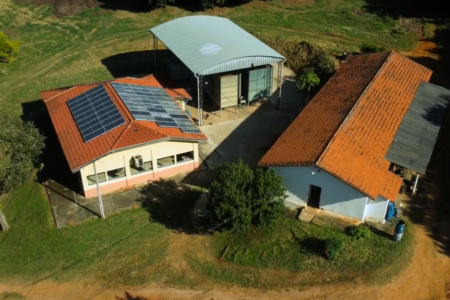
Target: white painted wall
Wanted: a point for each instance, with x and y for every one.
(376, 209)
(150, 152)
(336, 196)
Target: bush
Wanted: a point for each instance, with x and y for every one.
(242, 197)
(369, 48)
(333, 246)
(361, 232)
(7, 48)
(301, 55)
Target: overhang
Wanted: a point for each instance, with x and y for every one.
(211, 45)
(416, 136)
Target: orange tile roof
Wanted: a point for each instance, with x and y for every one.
(133, 132)
(348, 127)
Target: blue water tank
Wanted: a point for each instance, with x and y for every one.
(398, 232)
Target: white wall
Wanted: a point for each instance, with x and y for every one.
(150, 152)
(376, 209)
(336, 196)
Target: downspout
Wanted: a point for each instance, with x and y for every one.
(155, 47)
(280, 80)
(100, 202)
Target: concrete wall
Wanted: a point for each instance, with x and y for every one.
(336, 196)
(151, 153)
(376, 209)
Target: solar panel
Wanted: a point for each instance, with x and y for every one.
(154, 104)
(94, 113)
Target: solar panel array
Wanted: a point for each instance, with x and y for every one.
(95, 113)
(154, 104)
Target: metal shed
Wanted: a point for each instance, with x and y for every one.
(209, 45)
(417, 134)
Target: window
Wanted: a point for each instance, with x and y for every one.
(101, 178)
(134, 169)
(115, 174)
(166, 161)
(187, 156)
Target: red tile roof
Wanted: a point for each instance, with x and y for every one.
(348, 127)
(131, 133)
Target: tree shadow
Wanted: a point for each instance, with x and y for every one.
(173, 205)
(134, 6)
(128, 296)
(430, 207)
(408, 8)
(52, 162)
(436, 113)
(312, 245)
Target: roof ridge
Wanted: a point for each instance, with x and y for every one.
(57, 95)
(353, 108)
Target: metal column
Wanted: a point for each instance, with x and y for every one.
(280, 82)
(415, 184)
(100, 201)
(200, 99)
(155, 48)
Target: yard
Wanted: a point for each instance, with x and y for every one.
(127, 249)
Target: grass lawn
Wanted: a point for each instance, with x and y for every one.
(127, 250)
(296, 249)
(63, 52)
(123, 249)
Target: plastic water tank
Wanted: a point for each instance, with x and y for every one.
(398, 232)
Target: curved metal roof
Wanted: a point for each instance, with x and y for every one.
(210, 45)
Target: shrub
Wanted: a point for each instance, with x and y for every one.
(361, 232)
(333, 246)
(7, 48)
(242, 197)
(369, 48)
(301, 55)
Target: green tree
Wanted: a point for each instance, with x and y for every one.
(211, 3)
(307, 79)
(20, 144)
(369, 48)
(160, 3)
(7, 48)
(242, 197)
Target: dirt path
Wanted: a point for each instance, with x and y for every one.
(426, 277)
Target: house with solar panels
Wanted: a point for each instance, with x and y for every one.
(224, 65)
(123, 132)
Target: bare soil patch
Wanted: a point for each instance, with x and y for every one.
(64, 7)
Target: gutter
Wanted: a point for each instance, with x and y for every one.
(135, 146)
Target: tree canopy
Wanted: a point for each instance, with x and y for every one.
(7, 48)
(242, 197)
(20, 144)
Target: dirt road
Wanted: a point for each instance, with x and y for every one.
(425, 278)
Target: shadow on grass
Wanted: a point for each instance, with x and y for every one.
(131, 63)
(313, 246)
(172, 205)
(128, 296)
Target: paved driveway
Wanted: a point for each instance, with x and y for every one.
(250, 137)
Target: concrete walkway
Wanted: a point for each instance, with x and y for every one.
(70, 208)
